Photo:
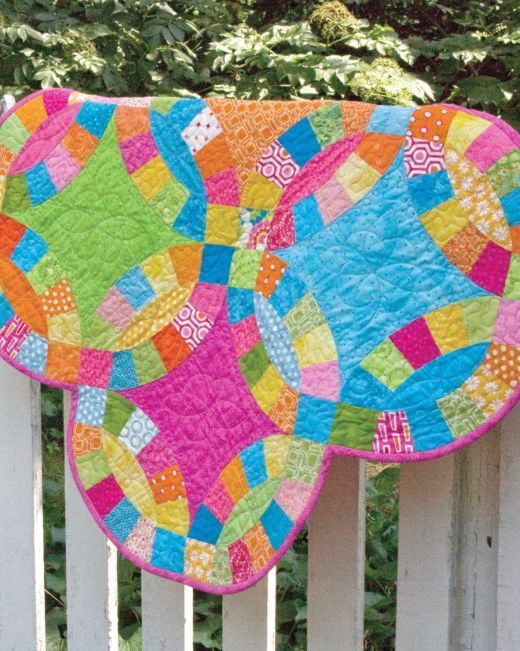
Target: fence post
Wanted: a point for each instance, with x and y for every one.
(167, 614)
(91, 572)
(248, 618)
(508, 584)
(22, 596)
(427, 502)
(22, 600)
(336, 577)
(474, 615)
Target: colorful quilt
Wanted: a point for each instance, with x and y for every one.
(234, 291)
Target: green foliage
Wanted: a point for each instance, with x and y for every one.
(381, 559)
(458, 51)
(333, 21)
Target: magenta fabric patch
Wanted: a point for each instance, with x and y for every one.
(44, 139)
(490, 270)
(492, 145)
(223, 188)
(416, 343)
(105, 495)
(138, 150)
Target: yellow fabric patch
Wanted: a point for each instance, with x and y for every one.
(151, 178)
(173, 516)
(234, 479)
(198, 560)
(129, 474)
(276, 449)
(357, 177)
(488, 391)
(478, 199)
(32, 113)
(444, 221)
(222, 225)
(2, 189)
(267, 388)
(259, 193)
(160, 273)
(154, 317)
(65, 327)
(316, 347)
(447, 328)
(463, 130)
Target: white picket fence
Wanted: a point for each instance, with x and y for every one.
(458, 567)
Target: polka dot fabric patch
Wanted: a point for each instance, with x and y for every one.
(235, 291)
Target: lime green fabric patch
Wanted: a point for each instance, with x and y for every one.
(479, 318)
(92, 468)
(388, 365)
(254, 364)
(117, 411)
(110, 235)
(460, 412)
(327, 124)
(248, 511)
(354, 427)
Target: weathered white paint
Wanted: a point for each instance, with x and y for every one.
(248, 618)
(22, 603)
(474, 614)
(425, 564)
(167, 614)
(336, 576)
(91, 573)
(508, 585)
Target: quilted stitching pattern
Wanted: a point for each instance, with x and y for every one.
(234, 291)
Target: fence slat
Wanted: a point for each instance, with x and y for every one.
(474, 612)
(91, 573)
(425, 558)
(508, 588)
(248, 618)
(167, 614)
(335, 593)
(22, 602)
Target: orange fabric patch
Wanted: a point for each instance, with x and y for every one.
(85, 439)
(58, 298)
(283, 412)
(258, 545)
(214, 157)
(79, 143)
(167, 485)
(356, 116)
(62, 362)
(504, 361)
(269, 274)
(250, 126)
(22, 297)
(515, 238)
(465, 247)
(131, 121)
(234, 479)
(379, 150)
(32, 113)
(6, 158)
(171, 347)
(186, 262)
(431, 123)
(11, 232)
